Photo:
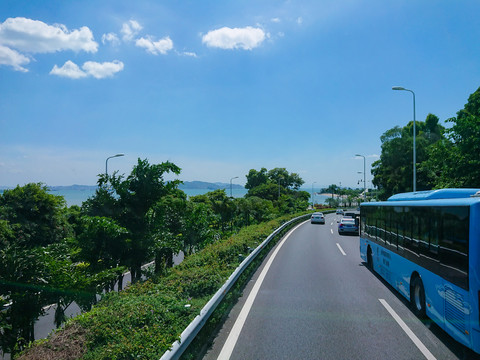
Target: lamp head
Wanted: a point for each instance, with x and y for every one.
(398, 88)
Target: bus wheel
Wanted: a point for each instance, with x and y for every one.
(369, 258)
(417, 297)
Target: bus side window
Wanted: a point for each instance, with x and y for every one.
(454, 242)
(407, 231)
(400, 219)
(424, 217)
(416, 221)
(435, 228)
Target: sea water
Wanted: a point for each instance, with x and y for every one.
(78, 196)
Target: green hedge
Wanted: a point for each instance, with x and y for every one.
(145, 319)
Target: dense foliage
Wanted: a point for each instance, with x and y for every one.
(144, 320)
(278, 186)
(393, 173)
(455, 160)
(51, 254)
(446, 157)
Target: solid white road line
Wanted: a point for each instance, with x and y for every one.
(409, 332)
(242, 317)
(341, 250)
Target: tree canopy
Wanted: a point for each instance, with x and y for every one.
(393, 172)
(446, 157)
(455, 160)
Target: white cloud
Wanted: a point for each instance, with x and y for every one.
(69, 70)
(110, 38)
(90, 68)
(33, 36)
(161, 46)
(299, 20)
(130, 29)
(13, 58)
(246, 38)
(188, 53)
(102, 70)
(275, 20)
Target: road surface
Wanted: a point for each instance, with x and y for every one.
(313, 298)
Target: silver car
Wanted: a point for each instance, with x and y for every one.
(347, 226)
(317, 218)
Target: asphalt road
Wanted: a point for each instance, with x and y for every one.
(313, 298)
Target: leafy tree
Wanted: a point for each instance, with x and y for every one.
(455, 161)
(22, 275)
(278, 186)
(197, 232)
(268, 191)
(30, 219)
(129, 201)
(67, 280)
(166, 220)
(37, 217)
(393, 172)
(256, 178)
(278, 176)
(253, 210)
(103, 246)
(222, 206)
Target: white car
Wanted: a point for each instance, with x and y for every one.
(348, 226)
(317, 218)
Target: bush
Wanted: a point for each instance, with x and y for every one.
(144, 320)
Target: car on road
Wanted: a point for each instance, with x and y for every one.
(317, 218)
(348, 226)
(339, 212)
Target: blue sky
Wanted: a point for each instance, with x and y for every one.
(220, 88)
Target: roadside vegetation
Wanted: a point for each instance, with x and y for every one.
(51, 254)
(446, 156)
(145, 319)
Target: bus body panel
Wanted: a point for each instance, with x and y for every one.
(455, 308)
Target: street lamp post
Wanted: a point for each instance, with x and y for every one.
(236, 177)
(364, 177)
(312, 194)
(414, 135)
(106, 162)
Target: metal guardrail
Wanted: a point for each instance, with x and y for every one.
(187, 336)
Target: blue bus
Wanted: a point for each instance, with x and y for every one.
(427, 246)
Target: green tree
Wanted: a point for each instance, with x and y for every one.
(22, 276)
(455, 161)
(393, 172)
(222, 206)
(166, 220)
(278, 186)
(30, 219)
(268, 191)
(37, 217)
(256, 178)
(129, 201)
(197, 232)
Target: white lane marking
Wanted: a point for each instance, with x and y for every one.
(242, 317)
(331, 230)
(409, 332)
(341, 250)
